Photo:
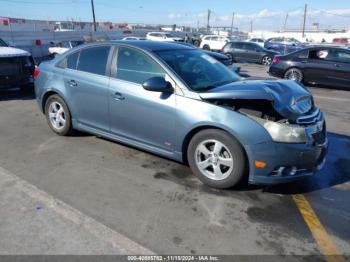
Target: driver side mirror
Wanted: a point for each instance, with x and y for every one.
(158, 84)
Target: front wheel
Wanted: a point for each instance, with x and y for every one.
(266, 60)
(206, 47)
(58, 116)
(294, 74)
(230, 57)
(216, 158)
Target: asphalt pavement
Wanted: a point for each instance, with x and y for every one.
(144, 203)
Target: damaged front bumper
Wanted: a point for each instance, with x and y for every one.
(288, 162)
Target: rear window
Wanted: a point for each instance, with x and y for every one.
(303, 54)
(94, 60)
(237, 45)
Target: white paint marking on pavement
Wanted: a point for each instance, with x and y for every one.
(120, 242)
(332, 98)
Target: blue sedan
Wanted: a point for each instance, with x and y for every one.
(182, 104)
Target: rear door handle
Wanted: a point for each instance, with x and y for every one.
(72, 83)
(118, 96)
(336, 65)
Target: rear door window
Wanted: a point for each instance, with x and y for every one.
(137, 67)
(319, 54)
(94, 60)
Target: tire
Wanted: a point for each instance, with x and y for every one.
(266, 60)
(230, 56)
(196, 43)
(230, 160)
(206, 47)
(294, 74)
(58, 116)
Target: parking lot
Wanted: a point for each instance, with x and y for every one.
(149, 203)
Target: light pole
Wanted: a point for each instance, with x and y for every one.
(93, 14)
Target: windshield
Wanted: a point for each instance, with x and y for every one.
(198, 70)
(2, 43)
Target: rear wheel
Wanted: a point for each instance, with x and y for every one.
(206, 47)
(216, 158)
(196, 43)
(294, 74)
(58, 116)
(266, 60)
(230, 56)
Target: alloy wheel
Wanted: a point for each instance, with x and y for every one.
(294, 74)
(57, 115)
(266, 60)
(213, 159)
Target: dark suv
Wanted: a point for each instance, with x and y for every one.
(248, 52)
(16, 67)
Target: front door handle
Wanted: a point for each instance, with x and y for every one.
(72, 83)
(118, 96)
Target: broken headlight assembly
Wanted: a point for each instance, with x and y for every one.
(282, 132)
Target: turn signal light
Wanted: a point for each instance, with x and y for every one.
(260, 164)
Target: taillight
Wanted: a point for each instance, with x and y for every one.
(276, 60)
(36, 72)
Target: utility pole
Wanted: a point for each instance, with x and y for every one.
(251, 26)
(208, 21)
(304, 23)
(233, 18)
(93, 14)
(285, 22)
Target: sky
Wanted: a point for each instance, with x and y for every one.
(263, 14)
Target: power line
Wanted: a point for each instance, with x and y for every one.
(36, 2)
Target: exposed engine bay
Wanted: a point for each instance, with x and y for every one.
(259, 108)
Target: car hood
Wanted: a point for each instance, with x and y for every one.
(289, 98)
(12, 52)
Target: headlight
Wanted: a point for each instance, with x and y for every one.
(283, 133)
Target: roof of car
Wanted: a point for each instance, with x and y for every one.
(324, 46)
(152, 45)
